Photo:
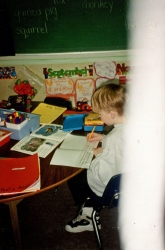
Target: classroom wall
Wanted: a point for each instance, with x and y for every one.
(36, 63)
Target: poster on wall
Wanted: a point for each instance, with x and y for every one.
(77, 84)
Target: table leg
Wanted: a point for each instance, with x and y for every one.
(15, 222)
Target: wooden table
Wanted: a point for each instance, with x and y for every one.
(51, 177)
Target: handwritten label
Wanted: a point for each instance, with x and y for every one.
(59, 86)
(50, 14)
(106, 69)
(32, 30)
(97, 4)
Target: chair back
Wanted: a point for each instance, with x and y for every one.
(109, 198)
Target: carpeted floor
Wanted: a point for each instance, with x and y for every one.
(42, 221)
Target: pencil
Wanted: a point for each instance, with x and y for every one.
(92, 132)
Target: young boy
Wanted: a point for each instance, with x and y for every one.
(108, 101)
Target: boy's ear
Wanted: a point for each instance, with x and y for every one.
(113, 114)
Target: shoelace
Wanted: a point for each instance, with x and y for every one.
(77, 218)
(84, 216)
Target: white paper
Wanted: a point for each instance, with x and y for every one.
(75, 151)
(51, 131)
(31, 145)
(42, 141)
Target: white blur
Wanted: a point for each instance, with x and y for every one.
(141, 210)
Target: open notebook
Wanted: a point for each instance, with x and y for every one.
(75, 151)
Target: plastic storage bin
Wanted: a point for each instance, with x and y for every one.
(73, 122)
(97, 128)
(32, 124)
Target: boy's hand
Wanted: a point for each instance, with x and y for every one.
(94, 137)
(97, 151)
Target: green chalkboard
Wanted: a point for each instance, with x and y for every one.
(55, 26)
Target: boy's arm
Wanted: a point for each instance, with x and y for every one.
(97, 151)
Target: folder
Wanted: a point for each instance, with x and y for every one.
(19, 175)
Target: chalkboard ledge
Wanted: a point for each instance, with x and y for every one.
(57, 58)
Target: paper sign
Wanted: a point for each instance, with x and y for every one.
(48, 113)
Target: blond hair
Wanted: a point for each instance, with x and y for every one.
(109, 97)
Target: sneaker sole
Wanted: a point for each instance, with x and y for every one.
(79, 229)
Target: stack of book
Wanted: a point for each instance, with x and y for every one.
(4, 136)
(93, 120)
(19, 175)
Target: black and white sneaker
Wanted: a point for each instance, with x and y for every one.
(83, 222)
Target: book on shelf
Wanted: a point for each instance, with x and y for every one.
(42, 141)
(75, 151)
(4, 136)
(93, 120)
(19, 175)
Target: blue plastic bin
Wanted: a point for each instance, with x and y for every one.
(17, 134)
(97, 128)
